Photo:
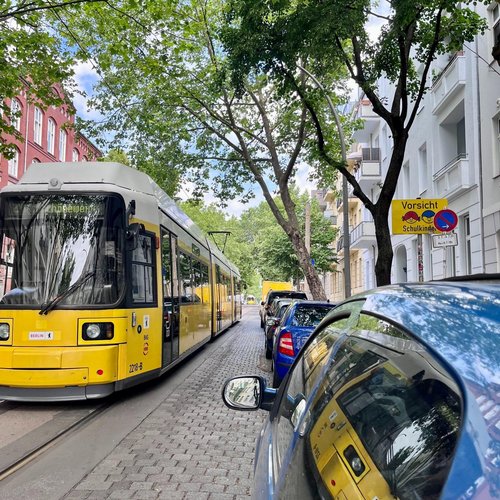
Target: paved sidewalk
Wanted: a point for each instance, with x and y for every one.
(191, 446)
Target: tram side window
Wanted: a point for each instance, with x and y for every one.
(186, 278)
(143, 270)
(166, 271)
(205, 286)
(198, 281)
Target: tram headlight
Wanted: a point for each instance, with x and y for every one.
(4, 331)
(98, 331)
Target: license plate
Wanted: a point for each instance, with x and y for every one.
(41, 335)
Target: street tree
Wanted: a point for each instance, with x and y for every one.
(166, 92)
(273, 253)
(31, 59)
(278, 38)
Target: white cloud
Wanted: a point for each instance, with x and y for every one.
(85, 77)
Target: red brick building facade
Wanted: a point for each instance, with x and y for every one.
(48, 135)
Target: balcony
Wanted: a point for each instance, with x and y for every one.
(448, 84)
(363, 235)
(330, 216)
(368, 173)
(371, 122)
(454, 178)
(352, 200)
(329, 195)
(340, 240)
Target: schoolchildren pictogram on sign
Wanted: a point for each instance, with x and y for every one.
(416, 216)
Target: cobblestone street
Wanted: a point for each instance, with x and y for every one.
(191, 445)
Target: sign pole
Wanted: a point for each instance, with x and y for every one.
(420, 258)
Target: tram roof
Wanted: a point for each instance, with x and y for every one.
(119, 175)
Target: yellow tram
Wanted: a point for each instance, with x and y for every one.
(104, 283)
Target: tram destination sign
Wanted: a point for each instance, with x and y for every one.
(416, 216)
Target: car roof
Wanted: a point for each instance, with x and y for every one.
(312, 303)
(458, 320)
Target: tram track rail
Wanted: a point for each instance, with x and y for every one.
(31, 454)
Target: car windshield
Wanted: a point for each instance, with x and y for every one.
(61, 249)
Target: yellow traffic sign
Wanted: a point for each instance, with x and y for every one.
(416, 216)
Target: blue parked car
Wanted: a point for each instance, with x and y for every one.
(395, 395)
(296, 325)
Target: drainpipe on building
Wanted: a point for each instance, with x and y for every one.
(25, 166)
(480, 155)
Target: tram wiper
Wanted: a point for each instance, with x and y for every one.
(48, 306)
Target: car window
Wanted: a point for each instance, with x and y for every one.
(309, 315)
(301, 380)
(381, 418)
(282, 310)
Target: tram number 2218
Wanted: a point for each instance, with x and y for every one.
(135, 367)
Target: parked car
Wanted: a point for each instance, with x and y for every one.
(394, 395)
(273, 318)
(274, 294)
(295, 327)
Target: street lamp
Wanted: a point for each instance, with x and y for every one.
(345, 185)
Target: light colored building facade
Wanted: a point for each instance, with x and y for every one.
(48, 136)
(453, 152)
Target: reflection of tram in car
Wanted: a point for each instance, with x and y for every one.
(104, 283)
(359, 437)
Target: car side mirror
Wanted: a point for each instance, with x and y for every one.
(248, 393)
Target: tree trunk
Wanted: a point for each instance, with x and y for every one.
(310, 274)
(380, 211)
(385, 254)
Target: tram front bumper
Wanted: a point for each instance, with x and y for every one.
(54, 367)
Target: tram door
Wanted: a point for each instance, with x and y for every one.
(170, 281)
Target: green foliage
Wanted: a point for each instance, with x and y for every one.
(116, 155)
(30, 55)
(275, 38)
(273, 253)
(236, 247)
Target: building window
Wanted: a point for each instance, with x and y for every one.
(75, 156)
(495, 22)
(467, 244)
(422, 169)
(14, 164)
(51, 136)
(37, 126)
(452, 139)
(35, 160)
(406, 180)
(84, 158)
(15, 114)
(63, 136)
(461, 141)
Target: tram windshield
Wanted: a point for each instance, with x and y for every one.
(61, 250)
